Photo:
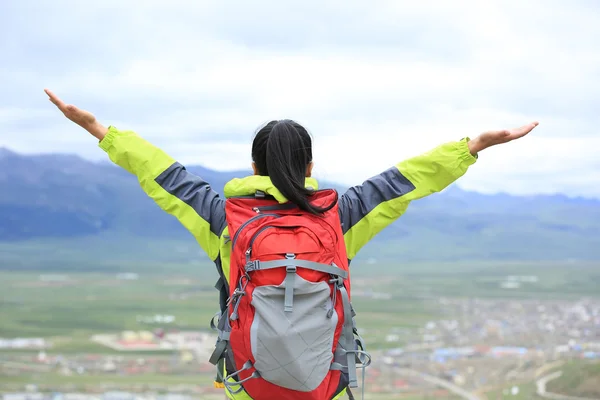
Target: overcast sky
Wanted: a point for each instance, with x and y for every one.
(374, 81)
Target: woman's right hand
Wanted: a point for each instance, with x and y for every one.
(83, 118)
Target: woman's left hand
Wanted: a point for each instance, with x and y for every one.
(492, 138)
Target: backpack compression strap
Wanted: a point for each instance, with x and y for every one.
(290, 263)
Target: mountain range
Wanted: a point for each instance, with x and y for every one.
(57, 208)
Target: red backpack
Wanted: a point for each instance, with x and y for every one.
(287, 329)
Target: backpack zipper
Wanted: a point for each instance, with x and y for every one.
(235, 237)
(259, 210)
(285, 206)
(261, 230)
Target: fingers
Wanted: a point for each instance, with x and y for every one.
(529, 127)
(68, 109)
(55, 100)
(523, 130)
(492, 138)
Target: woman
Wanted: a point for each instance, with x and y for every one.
(282, 164)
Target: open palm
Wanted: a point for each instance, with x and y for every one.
(492, 138)
(83, 118)
(507, 135)
(80, 117)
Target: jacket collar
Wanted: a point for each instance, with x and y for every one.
(249, 185)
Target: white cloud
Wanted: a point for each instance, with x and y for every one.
(374, 82)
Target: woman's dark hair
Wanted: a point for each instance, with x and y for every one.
(282, 150)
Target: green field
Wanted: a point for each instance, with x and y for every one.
(525, 392)
(579, 379)
(93, 303)
(556, 280)
(90, 303)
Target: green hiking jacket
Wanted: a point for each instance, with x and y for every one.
(364, 210)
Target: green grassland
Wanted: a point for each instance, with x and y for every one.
(89, 304)
(92, 303)
(579, 379)
(96, 303)
(556, 280)
(80, 381)
(527, 391)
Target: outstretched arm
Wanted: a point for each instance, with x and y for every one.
(180, 193)
(367, 209)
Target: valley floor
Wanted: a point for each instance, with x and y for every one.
(119, 336)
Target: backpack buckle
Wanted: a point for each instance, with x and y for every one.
(252, 266)
(338, 281)
(290, 269)
(259, 194)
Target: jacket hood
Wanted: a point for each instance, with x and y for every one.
(249, 185)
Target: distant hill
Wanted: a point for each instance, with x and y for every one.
(62, 204)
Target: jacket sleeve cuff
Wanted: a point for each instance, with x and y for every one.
(465, 152)
(106, 143)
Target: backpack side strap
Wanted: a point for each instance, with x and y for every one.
(350, 350)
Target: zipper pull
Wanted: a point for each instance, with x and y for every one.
(256, 210)
(247, 253)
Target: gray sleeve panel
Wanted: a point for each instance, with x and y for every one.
(360, 200)
(196, 193)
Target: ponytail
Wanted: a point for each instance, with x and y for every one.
(288, 153)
